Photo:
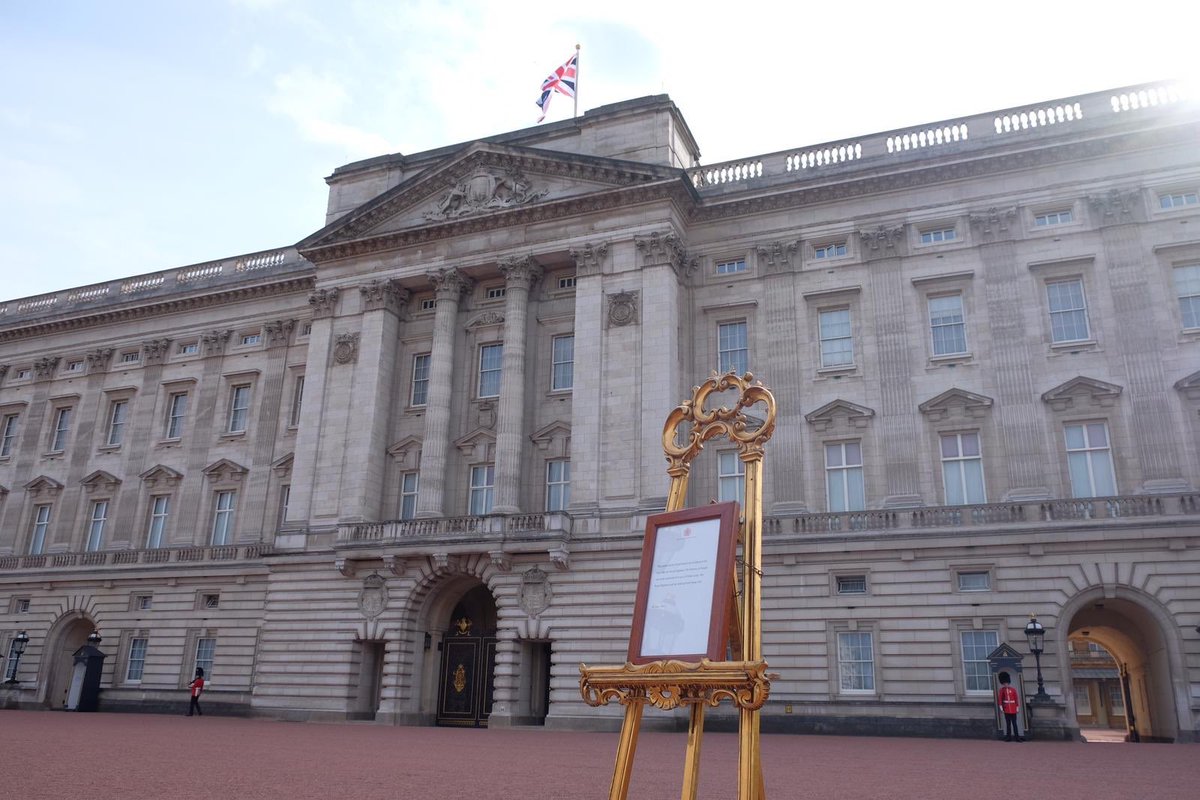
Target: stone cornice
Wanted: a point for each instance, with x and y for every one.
(158, 307)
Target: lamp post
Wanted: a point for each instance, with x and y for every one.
(1035, 634)
(94, 638)
(20, 641)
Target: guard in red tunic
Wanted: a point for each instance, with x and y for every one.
(197, 687)
(1010, 703)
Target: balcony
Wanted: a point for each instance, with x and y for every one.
(494, 530)
(153, 557)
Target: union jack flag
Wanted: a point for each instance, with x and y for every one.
(562, 80)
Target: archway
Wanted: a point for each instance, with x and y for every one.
(460, 620)
(1140, 637)
(65, 637)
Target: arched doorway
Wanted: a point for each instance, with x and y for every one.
(466, 678)
(1145, 657)
(65, 637)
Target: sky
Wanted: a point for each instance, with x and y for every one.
(140, 135)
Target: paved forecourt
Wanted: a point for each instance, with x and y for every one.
(133, 756)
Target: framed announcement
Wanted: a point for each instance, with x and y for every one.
(685, 584)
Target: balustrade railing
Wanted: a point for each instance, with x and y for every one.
(412, 529)
(162, 555)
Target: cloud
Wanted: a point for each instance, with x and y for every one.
(315, 104)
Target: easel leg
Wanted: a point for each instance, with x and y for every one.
(750, 781)
(691, 764)
(625, 750)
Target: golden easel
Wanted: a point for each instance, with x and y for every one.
(669, 684)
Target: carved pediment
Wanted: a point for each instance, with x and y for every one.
(407, 452)
(43, 488)
(1082, 392)
(483, 179)
(478, 445)
(1190, 386)
(225, 471)
(161, 477)
(956, 402)
(840, 414)
(486, 320)
(101, 481)
(554, 438)
(283, 465)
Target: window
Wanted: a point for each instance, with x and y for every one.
(74, 366)
(143, 602)
(408, 494)
(285, 496)
(20, 605)
(239, 408)
(558, 485)
(10, 665)
(41, 522)
(974, 581)
(95, 534)
(491, 359)
(131, 358)
(420, 379)
(137, 660)
(251, 338)
(732, 353)
(223, 511)
(976, 646)
(8, 434)
(189, 348)
(566, 283)
(851, 584)
(1083, 700)
(62, 429)
(939, 235)
(205, 649)
(297, 402)
(837, 346)
(496, 292)
(830, 250)
(946, 325)
(428, 304)
(1089, 460)
(562, 366)
(856, 662)
(306, 329)
(731, 477)
(1187, 287)
(962, 469)
(210, 601)
(483, 481)
(22, 374)
(1178, 200)
(1068, 312)
(730, 267)
(844, 477)
(1052, 218)
(176, 411)
(117, 415)
(160, 509)
(1116, 699)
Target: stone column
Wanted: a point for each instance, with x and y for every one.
(520, 275)
(585, 395)
(450, 285)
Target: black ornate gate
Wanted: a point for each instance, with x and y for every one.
(468, 667)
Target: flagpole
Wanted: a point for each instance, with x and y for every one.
(576, 114)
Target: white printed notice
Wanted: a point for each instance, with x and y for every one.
(680, 597)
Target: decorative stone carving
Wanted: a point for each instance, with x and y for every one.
(658, 248)
(956, 402)
(778, 255)
(214, 342)
(485, 319)
(450, 284)
(622, 309)
(1115, 206)
(43, 368)
(885, 236)
(1082, 389)
(224, 471)
(160, 477)
(100, 481)
(560, 557)
(487, 415)
(589, 258)
(43, 488)
(395, 565)
(485, 190)
(345, 348)
(384, 294)
(3, 371)
(323, 302)
(373, 598)
(156, 351)
(535, 592)
(99, 359)
(345, 566)
(440, 561)
(994, 221)
(279, 332)
(841, 414)
(520, 272)
(500, 560)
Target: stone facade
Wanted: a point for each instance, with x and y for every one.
(320, 470)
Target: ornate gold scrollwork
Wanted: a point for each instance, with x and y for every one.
(670, 684)
(707, 424)
(460, 679)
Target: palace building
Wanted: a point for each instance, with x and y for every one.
(401, 470)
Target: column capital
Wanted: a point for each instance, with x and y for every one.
(214, 342)
(886, 237)
(97, 359)
(323, 302)
(450, 284)
(43, 368)
(279, 332)
(588, 259)
(994, 221)
(155, 351)
(1115, 206)
(778, 255)
(520, 271)
(385, 294)
(665, 248)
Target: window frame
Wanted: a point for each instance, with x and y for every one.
(964, 662)
(725, 476)
(822, 339)
(171, 430)
(961, 460)
(197, 661)
(297, 401)
(733, 263)
(224, 519)
(94, 533)
(935, 327)
(39, 528)
(485, 375)
(1082, 309)
(118, 412)
(821, 252)
(962, 571)
(723, 351)
(1089, 451)
(60, 429)
(1193, 305)
(131, 659)
(10, 429)
(1182, 194)
(407, 493)
(561, 486)
(156, 522)
(937, 235)
(840, 683)
(234, 409)
(842, 471)
(420, 381)
(556, 362)
(838, 577)
(486, 492)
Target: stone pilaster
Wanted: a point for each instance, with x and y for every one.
(520, 275)
(450, 284)
(585, 393)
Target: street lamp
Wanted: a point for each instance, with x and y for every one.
(19, 643)
(94, 638)
(1035, 634)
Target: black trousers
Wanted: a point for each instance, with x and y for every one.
(1010, 726)
(195, 706)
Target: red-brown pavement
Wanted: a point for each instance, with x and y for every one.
(136, 756)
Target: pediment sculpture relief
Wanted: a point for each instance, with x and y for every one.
(482, 191)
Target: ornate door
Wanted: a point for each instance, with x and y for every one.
(468, 666)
